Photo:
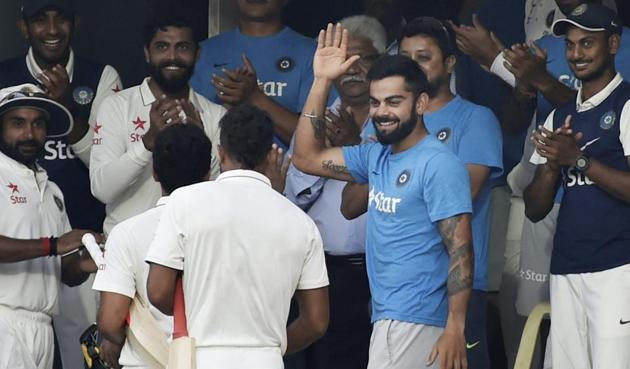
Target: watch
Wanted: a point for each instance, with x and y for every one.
(582, 163)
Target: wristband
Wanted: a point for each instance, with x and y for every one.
(46, 246)
(53, 246)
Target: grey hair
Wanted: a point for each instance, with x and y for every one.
(367, 27)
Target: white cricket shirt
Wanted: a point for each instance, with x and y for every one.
(120, 166)
(126, 272)
(31, 207)
(244, 249)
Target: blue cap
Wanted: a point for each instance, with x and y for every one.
(591, 17)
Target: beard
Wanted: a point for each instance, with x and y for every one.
(13, 151)
(171, 85)
(404, 129)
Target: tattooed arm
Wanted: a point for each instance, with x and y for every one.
(309, 153)
(457, 236)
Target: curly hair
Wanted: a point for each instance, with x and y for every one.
(246, 135)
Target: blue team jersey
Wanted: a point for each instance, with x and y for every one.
(558, 67)
(593, 229)
(283, 63)
(473, 133)
(410, 192)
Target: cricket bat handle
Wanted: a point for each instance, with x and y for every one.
(94, 249)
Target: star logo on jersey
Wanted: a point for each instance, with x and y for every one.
(97, 128)
(403, 178)
(139, 123)
(13, 188)
(443, 134)
(608, 120)
(579, 10)
(285, 64)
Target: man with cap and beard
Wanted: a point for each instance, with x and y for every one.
(37, 245)
(80, 85)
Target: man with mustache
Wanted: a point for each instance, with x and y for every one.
(346, 342)
(36, 241)
(120, 165)
(584, 146)
(80, 85)
(419, 242)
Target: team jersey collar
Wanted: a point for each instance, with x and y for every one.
(35, 70)
(162, 201)
(599, 97)
(15, 165)
(148, 98)
(244, 173)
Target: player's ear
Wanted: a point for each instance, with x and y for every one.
(422, 102)
(23, 27)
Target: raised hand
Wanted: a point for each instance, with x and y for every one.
(277, 167)
(342, 129)
(56, 82)
(477, 42)
(331, 59)
(527, 67)
(560, 147)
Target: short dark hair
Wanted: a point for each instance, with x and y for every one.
(69, 14)
(402, 66)
(181, 156)
(246, 135)
(433, 28)
(170, 16)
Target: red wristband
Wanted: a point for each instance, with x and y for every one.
(46, 246)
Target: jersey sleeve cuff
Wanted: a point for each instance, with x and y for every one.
(139, 154)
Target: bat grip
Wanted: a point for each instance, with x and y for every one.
(180, 328)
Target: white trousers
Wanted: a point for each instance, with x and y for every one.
(590, 320)
(26, 340)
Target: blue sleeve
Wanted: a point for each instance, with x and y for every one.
(482, 142)
(200, 80)
(302, 189)
(306, 80)
(446, 187)
(357, 160)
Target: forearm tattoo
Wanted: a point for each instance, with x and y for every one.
(319, 126)
(460, 268)
(329, 165)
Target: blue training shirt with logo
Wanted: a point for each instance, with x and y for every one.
(283, 63)
(410, 192)
(474, 134)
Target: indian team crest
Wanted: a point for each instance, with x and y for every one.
(579, 10)
(608, 120)
(58, 202)
(403, 178)
(83, 95)
(285, 64)
(444, 134)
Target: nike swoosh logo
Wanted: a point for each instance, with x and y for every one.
(622, 322)
(471, 345)
(219, 65)
(589, 143)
